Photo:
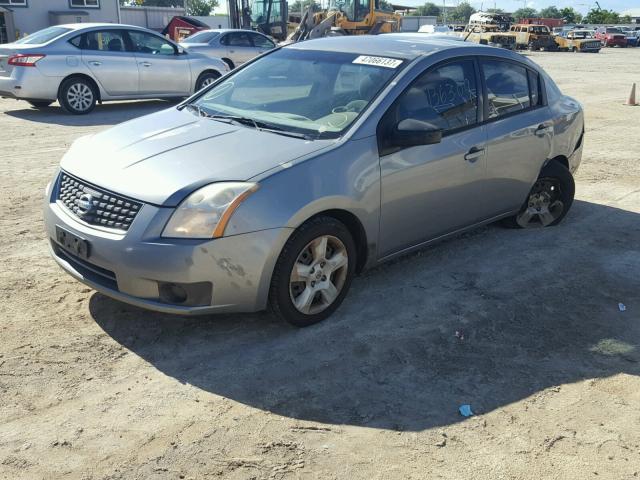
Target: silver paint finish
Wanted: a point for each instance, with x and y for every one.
(399, 202)
(216, 47)
(119, 75)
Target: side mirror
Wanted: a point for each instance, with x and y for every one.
(411, 133)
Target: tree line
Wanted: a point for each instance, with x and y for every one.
(464, 10)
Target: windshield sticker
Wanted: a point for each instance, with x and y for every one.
(378, 61)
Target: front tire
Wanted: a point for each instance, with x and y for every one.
(548, 201)
(205, 79)
(313, 273)
(77, 96)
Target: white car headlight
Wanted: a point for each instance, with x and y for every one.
(206, 212)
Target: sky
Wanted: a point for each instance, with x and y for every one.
(582, 6)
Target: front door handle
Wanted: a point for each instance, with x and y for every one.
(96, 63)
(472, 155)
(145, 64)
(542, 130)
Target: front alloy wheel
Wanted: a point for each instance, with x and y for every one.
(318, 274)
(313, 272)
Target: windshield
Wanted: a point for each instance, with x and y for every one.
(581, 34)
(613, 30)
(302, 91)
(201, 37)
(43, 36)
(539, 30)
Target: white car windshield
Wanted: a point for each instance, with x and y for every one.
(201, 37)
(315, 93)
(43, 36)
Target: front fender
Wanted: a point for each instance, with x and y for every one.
(344, 178)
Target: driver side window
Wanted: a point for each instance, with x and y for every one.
(150, 44)
(445, 96)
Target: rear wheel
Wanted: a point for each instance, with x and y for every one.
(40, 103)
(77, 96)
(549, 200)
(314, 272)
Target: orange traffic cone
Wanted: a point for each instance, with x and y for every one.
(632, 97)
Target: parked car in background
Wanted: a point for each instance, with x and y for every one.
(235, 47)
(533, 37)
(276, 184)
(81, 64)
(630, 35)
(611, 37)
(578, 41)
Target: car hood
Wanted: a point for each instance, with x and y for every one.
(162, 157)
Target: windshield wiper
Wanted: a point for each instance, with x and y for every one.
(258, 125)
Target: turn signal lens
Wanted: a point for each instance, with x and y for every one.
(25, 60)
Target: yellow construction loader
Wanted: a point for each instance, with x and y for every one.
(347, 17)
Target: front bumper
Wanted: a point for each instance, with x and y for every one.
(136, 266)
(30, 84)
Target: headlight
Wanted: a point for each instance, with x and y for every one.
(206, 212)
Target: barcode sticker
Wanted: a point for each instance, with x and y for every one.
(378, 61)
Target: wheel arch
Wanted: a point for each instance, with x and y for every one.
(229, 62)
(561, 159)
(355, 227)
(84, 76)
(213, 71)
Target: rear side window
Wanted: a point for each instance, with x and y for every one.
(507, 88)
(239, 39)
(534, 89)
(101, 40)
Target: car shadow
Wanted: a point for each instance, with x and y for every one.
(488, 318)
(109, 113)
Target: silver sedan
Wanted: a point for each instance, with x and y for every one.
(283, 179)
(81, 64)
(233, 46)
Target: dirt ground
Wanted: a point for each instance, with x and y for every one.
(94, 389)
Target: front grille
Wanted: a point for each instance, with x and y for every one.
(95, 205)
(593, 45)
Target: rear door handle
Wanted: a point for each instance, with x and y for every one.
(145, 64)
(96, 63)
(542, 130)
(472, 155)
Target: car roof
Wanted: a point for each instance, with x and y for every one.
(225, 30)
(399, 45)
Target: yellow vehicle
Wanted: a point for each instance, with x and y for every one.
(533, 37)
(578, 41)
(347, 17)
(489, 35)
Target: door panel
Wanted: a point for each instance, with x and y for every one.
(432, 190)
(239, 47)
(162, 69)
(516, 150)
(104, 53)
